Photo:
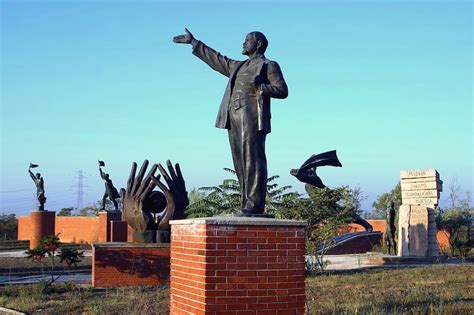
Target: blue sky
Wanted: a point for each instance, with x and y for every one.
(388, 84)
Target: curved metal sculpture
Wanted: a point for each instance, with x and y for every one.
(307, 171)
(307, 174)
(139, 201)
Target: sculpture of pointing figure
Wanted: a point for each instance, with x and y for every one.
(39, 182)
(110, 191)
(245, 111)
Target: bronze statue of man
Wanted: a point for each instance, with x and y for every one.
(39, 182)
(110, 191)
(245, 111)
(390, 228)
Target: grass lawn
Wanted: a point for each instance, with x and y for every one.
(439, 289)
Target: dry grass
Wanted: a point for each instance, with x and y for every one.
(440, 289)
(74, 299)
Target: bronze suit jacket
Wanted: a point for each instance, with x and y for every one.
(269, 71)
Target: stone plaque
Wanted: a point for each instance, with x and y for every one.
(420, 193)
(420, 201)
(419, 173)
(421, 185)
(403, 225)
(418, 231)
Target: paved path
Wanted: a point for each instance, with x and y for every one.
(18, 253)
(334, 262)
(83, 278)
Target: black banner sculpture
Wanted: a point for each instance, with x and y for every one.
(307, 174)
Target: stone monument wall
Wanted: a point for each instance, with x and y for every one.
(416, 223)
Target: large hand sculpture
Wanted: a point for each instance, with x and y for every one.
(139, 201)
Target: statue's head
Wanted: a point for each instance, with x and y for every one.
(106, 176)
(38, 175)
(254, 42)
(390, 204)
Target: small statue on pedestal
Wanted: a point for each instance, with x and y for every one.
(39, 182)
(110, 191)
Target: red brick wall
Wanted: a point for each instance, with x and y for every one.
(239, 269)
(77, 229)
(380, 225)
(24, 228)
(127, 264)
(105, 225)
(42, 223)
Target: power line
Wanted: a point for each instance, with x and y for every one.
(80, 190)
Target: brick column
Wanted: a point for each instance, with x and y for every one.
(233, 265)
(105, 226)
(42, 223)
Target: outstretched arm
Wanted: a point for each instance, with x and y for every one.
(32, 175)
(214, 59)
(101, 173)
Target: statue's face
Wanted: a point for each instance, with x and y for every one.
(38, 175)
(250, 45)
(106, 176)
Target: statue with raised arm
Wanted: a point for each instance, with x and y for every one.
(110, 191)
(245, 111)
(39, 182)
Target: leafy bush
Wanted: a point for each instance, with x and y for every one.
(455, 223)
(47, 248)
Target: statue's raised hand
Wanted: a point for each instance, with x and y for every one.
(176, 194)
(133, 198)
(184, 39)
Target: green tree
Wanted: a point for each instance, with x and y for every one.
(226, 198)
(455, 223)
(195, 195)
(379, 206)
(92, 210)
(66, 212)
(8, 226)
(456, 219)
(327, 211)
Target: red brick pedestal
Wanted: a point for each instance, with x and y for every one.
(105, 224)
(42, 223)
(232, 265)
(130, 264)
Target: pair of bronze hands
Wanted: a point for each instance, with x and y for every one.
(138, 192)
